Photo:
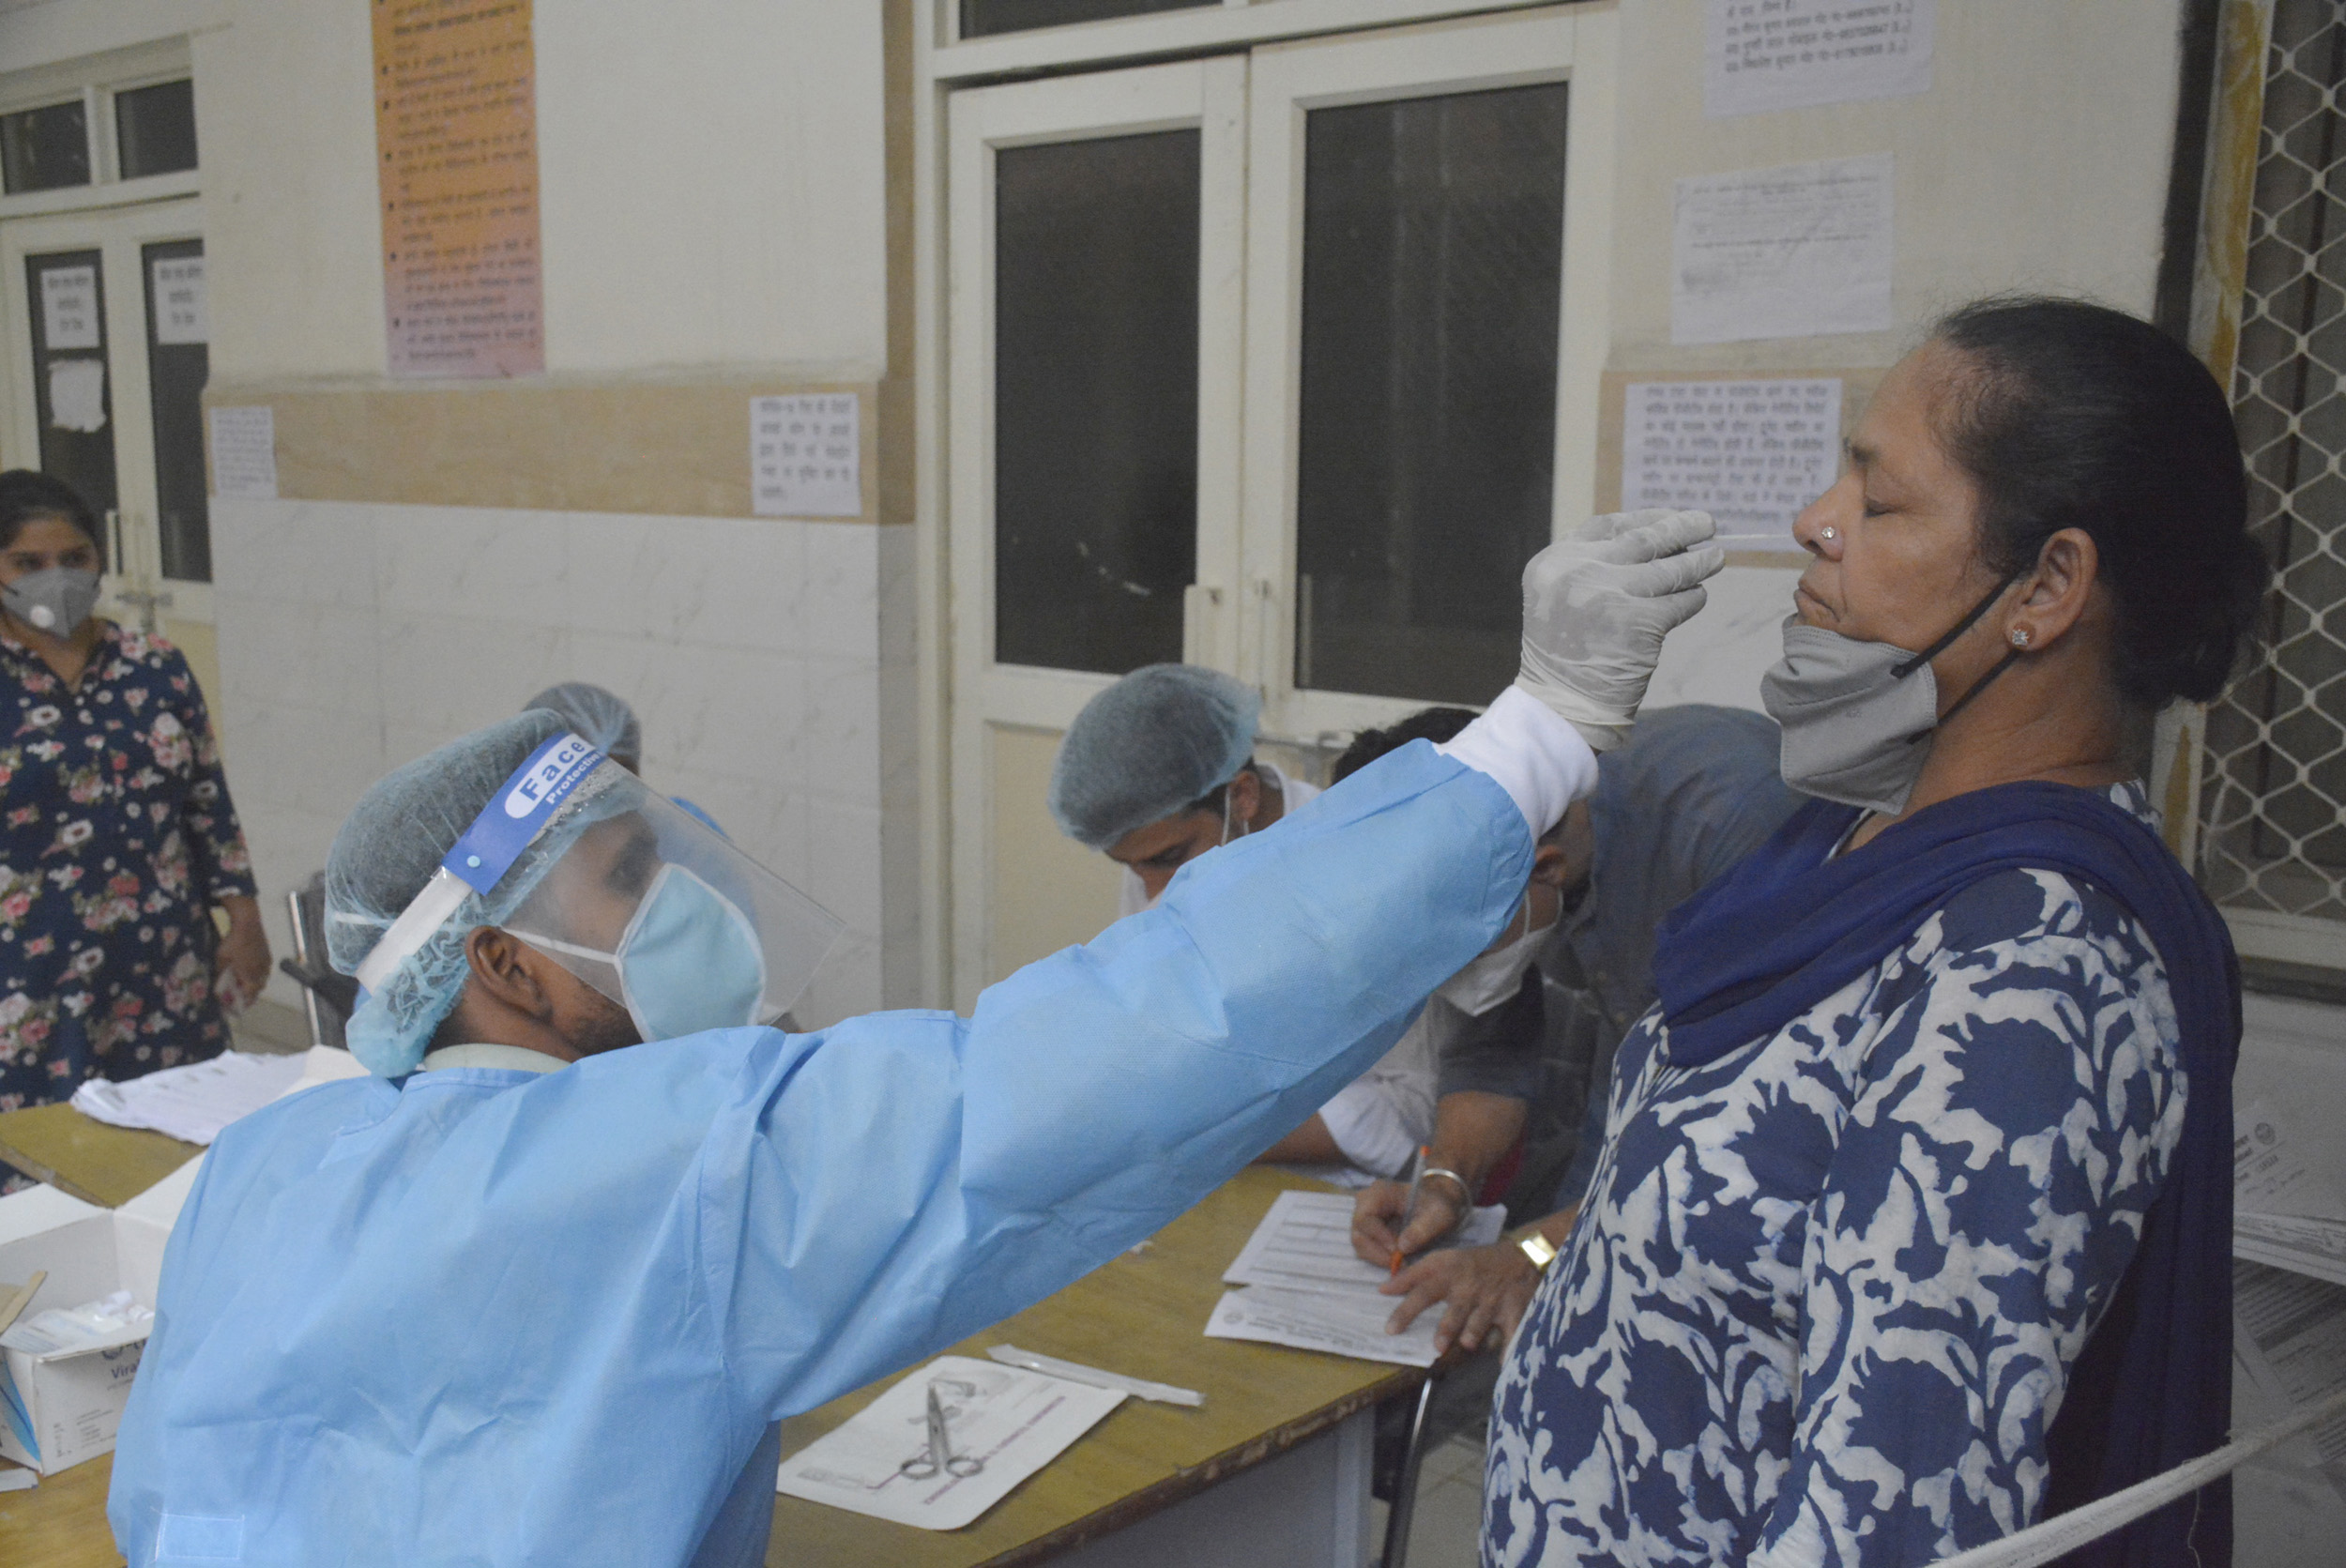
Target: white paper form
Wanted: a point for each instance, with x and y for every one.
(77, 394)
(69, 308)
(1761, 55)
(1751, 453)
(244, 452)
(1342, 1325)
(1795, 252)
(2289, 1339)
(806, 455)
(1306, 1244)
(1308, 1289)
(192, 1103)
(182, 310)
(1015, 1422)
(2270, 1172)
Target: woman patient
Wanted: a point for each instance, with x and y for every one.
(1912, 1220)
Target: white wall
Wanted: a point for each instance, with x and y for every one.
(2037, 161)
(710, 187)
(356, 638)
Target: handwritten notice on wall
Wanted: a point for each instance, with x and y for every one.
(1795, 252)
(1751, 453)
(456, 129)
(806, 455)
(244, 454)
(1763, 55)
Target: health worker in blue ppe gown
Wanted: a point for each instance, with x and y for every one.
(540, 1289)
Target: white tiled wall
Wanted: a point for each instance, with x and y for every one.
(354, 637)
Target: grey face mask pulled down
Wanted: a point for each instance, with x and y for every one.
(1858, 717)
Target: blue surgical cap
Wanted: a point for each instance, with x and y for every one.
(1158, 740)
(384, 852)
(601, 719)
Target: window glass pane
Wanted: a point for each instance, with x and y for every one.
(982, 17)
(71, 395)
(44, 150)
(177, 361)
(1433, 248)
(1095, 408)
(156, 128)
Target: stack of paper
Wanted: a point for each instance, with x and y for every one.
(193, 1103)
(2287, 1213)
(1012, 1422)
(1306, 1288)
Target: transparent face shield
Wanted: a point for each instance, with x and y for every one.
(638, 898)
(667, 919)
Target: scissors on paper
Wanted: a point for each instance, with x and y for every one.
(939, 1454)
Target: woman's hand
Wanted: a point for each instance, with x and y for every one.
(1488, 1289)
(243, 957)
(1377, 1232)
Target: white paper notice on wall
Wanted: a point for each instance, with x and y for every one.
(1796, 252)
(244, 452)
(69, 308)
(1761, 55)
(182, 315)
(77, 394)
(806, 455)
(1751, 453)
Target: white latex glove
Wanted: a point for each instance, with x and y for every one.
(1596, 607)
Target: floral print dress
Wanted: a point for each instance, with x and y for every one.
(1825, 1293)
(117, 838)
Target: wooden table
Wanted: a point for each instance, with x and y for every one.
(96, 1162)
(1144, 1314)
(62, 1522)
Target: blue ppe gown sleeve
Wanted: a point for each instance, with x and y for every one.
(488, 1316)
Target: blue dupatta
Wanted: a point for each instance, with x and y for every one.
(1791, 925)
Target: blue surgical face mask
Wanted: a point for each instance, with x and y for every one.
(689, 960)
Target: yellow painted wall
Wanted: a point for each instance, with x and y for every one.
(1046, 891)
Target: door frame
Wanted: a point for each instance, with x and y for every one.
(120, 233)
(1209, 97)
(952, 869)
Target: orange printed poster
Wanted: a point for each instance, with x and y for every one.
(456, 123)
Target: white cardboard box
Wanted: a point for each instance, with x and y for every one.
(59, 1410)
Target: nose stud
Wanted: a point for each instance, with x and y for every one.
(1831, 532)
(2019, 636)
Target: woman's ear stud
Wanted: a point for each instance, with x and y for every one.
(2019, 636)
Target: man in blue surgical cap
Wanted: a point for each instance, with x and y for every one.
(536, 1292)
(1161, 767)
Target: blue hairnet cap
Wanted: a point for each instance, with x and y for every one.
(384, 852)
(1148, 745)
(601, 719)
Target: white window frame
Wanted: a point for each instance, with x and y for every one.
(95, 79)
(952, 570)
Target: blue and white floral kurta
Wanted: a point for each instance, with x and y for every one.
(1821, 1299)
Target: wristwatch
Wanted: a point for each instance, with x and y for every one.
(1537, 1248)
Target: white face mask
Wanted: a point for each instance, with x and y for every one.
(1492, 980)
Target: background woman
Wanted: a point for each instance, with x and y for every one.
(116, 836)
(1912, 1221)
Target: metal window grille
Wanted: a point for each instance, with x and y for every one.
(2274, 798)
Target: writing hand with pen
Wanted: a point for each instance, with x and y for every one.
(1486, 1289)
